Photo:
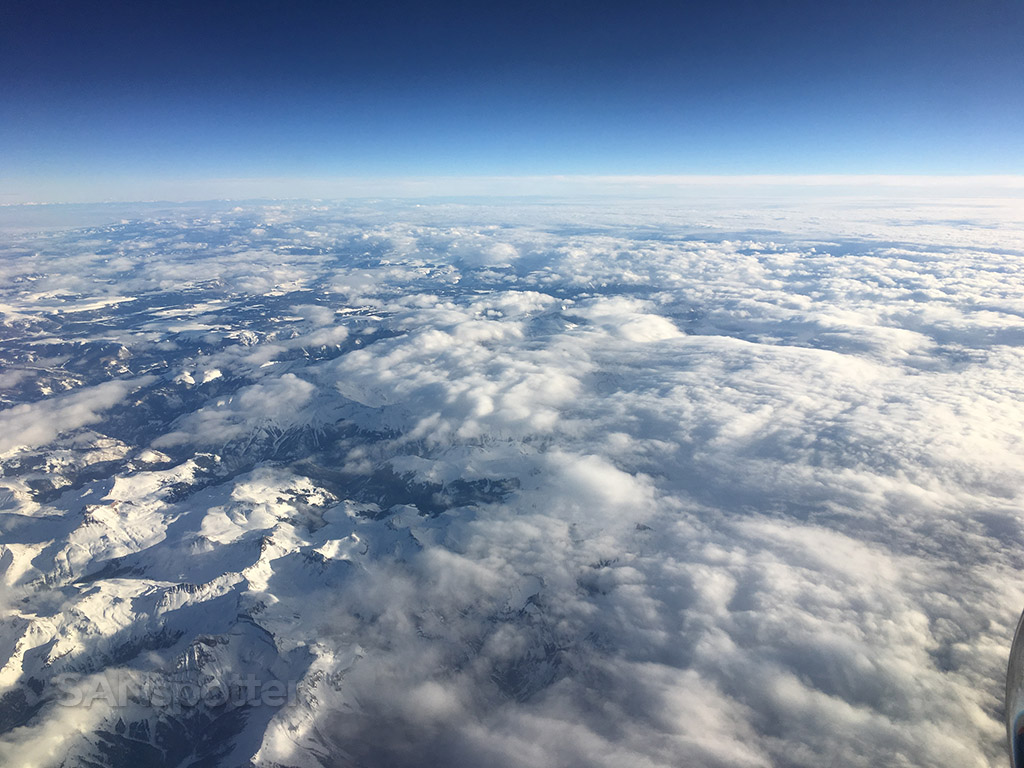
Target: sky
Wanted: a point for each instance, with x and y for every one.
(100, 93)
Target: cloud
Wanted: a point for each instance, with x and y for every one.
(47, 745)
(636, 484)
(277, 403)
(31, 425)
(627, 318)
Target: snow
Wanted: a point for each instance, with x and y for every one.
(594, 484)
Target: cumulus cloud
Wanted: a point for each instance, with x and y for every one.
(589, 486)
(31, 425)
(277, 403)
(627, 318)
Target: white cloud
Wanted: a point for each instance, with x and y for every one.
(709, 486)
(32, 425)
(277, 403)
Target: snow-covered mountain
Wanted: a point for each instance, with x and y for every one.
(535, 484)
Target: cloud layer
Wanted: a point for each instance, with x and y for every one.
(540, 485)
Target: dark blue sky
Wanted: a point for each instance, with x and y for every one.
(265, 88)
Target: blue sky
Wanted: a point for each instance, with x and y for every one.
(99, 91)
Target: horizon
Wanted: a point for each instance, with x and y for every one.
(578, 186)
